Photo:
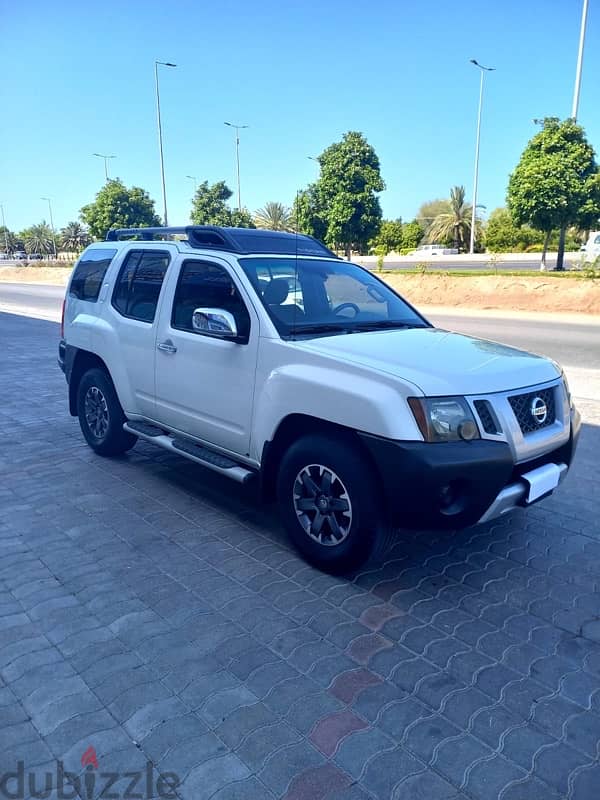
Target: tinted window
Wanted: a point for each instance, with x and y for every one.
(89, 273)
(205, 285)
(138, 286)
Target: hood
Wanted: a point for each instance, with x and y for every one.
(439, 362)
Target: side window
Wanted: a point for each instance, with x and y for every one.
(205, 285)
(89, 273)
(138, 286)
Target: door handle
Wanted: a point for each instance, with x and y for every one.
(167, 346)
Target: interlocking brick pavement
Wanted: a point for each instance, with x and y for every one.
(155, 612)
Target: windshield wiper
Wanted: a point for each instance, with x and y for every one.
(324, 328)
(382, 324)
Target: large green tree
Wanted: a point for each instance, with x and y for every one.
(74, 237)
(344, 198)
(308, 215)
(274, 217)
(556, 182)
(39, 239)
(502, 235)
(116, 206)
(9, 241)
(412, 233)
(389, 237)
(454, 224)
(429, 211)
(209, 207)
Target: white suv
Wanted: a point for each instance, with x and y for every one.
(261, 355)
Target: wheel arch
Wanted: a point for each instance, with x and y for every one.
(77, 365)
(294, 427)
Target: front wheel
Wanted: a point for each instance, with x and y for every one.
(330, 503)
(100, 415)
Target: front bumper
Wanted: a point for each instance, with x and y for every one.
(457, 484)
(62, 351)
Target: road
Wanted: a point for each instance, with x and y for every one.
(575, 345)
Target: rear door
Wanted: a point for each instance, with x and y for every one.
(133, 309)
(205, 384)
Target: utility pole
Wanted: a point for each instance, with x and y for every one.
(5, 231)
(482, 70)
(579, 61)
(47, 199)
(160, 141)
(238, 128)
(101, 155)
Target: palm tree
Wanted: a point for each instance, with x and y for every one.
(74, 237)
(39, 239)
(455, 224)
(274, 217)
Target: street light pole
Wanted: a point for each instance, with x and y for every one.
(579, 61)
(238, 128)
(160, 141)
(47, 199)
(5, 231)
(100, 155)
(195, 179)
(482, 70)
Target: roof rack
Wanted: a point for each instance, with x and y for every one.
(233, 240)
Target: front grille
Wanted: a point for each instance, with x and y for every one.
(523, 406)
(487, 416)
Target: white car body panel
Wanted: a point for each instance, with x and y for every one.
(463, 365)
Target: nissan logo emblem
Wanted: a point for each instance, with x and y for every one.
(539, 411)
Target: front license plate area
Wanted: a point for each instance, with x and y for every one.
(541, 481)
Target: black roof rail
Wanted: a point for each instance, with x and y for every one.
(234, 240)
(145, 233)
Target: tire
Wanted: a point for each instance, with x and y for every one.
(317, 467)
(100, 415)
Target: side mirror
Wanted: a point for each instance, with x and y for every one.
(215, 321)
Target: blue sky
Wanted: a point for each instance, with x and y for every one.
(77, 78)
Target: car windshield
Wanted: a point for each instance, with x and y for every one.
(309, 296)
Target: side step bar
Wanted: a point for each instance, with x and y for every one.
(188, 449)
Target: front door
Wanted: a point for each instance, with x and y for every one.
(204, 384)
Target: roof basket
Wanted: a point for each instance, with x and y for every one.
(233, 240)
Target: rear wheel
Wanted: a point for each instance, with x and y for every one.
(100, 415)
(330, 503)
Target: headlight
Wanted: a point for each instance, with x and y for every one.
(566, 387)
(444, 419)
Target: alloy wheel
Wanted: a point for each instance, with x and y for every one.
(96, 412)
(322, 505)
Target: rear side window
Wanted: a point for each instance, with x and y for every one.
(138, 286)
(89, 273)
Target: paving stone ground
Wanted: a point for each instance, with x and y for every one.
(154, 618)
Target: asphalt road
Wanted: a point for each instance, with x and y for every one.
(46, 300)
(575, 345)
